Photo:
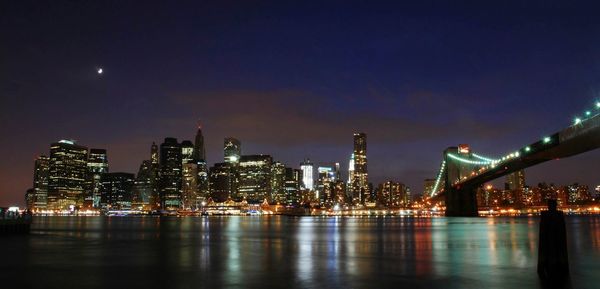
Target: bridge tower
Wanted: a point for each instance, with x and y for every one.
(461, 201)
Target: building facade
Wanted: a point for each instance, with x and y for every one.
(67, 175)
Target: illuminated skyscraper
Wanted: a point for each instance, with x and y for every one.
(144, 189)
(189, 185)
(325, 185)
(278, 183)
(200, 160)
(428, 185)
(154, 154)
(232, 150)
(97, 165)
(170, 174)
(359, 181)
(293, 184)
(221, 182)
(67, 173)
(255, 178)
(39, 200)
(515, 181)
(307, 174)
(187, 152)
(392, 194)
(116, 191)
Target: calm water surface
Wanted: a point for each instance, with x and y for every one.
(287, 252)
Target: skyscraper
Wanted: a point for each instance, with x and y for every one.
(97, 165)
(360, 182)
(221, 182)
(232, 150)
(187, 152)
(189, 186)
(39, 199)
(67, 172)
(307, 174)
(170, 174)
(515, 181)
(116, 191)
(200, 160)
(278, 183)
(325, 185)
(293, 184)
(144, 189)
(154, 154)
(255, 178)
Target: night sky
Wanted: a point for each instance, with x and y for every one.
(296, 80)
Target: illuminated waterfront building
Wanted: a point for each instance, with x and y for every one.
(360, 181)
(66, 177)
(189, 186)
(339, 193)
(222, 182)
(232, 150)
(116, 191)
(144, 188)
(200, 160)
(170, 177)
(392, 195)
(428, 185)
(39, 195)
(97, 165)
(515, 181)
(293, 186)
(307, 174)
(255, 178)
(325, 185)
(278, 195)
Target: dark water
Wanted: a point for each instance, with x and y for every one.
(285, 252)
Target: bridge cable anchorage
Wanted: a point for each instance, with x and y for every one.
(438, 179)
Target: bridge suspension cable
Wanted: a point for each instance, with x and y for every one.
(438, 179)
(483, 158)
(468, 161)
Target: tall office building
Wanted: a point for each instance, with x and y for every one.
(293, 186)
(187, 152)
(116, 191)
(222, 182)
(97, 165)
(189, 186)
(144, 189)
(170, 174)
(154, 158)
(428, 185)
(39, 198)
(325, 185)
(67, 173)
(515, 181)
(360, 182)
(254, 173)
(232, 150)
(392, 194)
(200, 160)
(307, 174)
(278, 183)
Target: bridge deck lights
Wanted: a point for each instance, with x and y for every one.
(547, 139)
(527, 149)
(598, 104)
(577, 120)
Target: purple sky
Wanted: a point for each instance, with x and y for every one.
(296, 80)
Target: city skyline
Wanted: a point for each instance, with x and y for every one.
(415, 78)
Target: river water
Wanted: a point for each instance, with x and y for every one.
(290, 252)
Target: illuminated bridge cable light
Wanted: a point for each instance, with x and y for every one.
(547, 139)
(598, 104)
(483, 158)
(467, 161)
(577, 120)
(434, 190)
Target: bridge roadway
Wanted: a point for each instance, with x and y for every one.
(579, 138)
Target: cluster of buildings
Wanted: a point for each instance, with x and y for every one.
(177, 177)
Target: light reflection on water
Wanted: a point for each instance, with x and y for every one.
(288, 252)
